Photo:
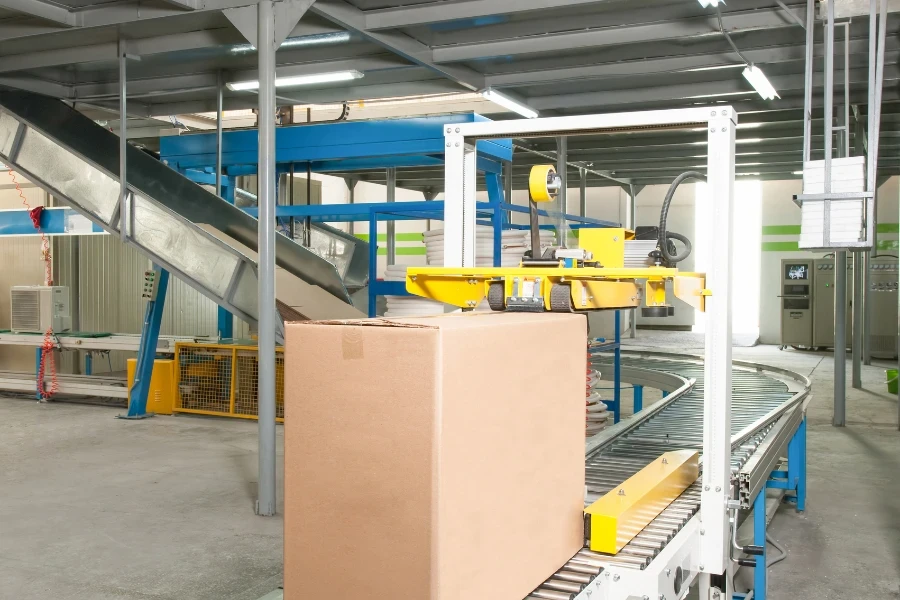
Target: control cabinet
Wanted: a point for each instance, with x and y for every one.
(796, 302)
(883, 304)
(823, 303)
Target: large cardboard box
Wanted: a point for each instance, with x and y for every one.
(436, 458)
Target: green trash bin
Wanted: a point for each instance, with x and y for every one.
(891, 375)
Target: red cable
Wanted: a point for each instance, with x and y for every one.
(47, 347)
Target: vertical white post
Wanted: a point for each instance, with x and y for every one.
(715, 538)
(459, 200)
(265, 504)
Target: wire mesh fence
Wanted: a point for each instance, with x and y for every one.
(222, 380)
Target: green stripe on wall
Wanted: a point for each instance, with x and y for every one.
(780, 246)
(889, 245)
(781, 230)
(400, 237)
(888, 228)
(404, 251)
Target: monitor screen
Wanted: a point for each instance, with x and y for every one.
(797, 271)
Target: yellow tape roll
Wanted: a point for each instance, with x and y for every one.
(538, 180)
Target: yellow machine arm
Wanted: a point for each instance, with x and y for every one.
(592, 277)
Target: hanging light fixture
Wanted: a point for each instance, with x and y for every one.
(760, 82)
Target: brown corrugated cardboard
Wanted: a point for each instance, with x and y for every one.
(435, 458)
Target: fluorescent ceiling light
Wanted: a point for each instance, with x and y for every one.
(708, 3)
(508, 103)
(239, 86)
(760, 83)
(338, 37)
(714, 68)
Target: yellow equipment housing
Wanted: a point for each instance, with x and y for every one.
(614, 520)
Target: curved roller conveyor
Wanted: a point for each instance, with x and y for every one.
(764, 400)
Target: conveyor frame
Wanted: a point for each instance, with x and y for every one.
(770, 404)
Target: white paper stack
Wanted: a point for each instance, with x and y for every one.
(847, 217)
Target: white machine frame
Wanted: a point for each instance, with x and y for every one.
(712, 555)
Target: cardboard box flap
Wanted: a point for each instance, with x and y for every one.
(462, 320)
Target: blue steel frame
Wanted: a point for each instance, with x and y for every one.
(333, 147)
(792, 480)
(601, 345)
(143, 373)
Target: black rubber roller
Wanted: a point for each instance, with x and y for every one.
(561, 297)
(497, 295)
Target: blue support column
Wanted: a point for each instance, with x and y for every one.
(224, 324)
(39, 385)
(373, 263)
(796, 475)
(224, 319)
(137, 406)
(88, 363)
(759, 539)
(638, 398)
(617, 371)
(801, 485)
(495, 197)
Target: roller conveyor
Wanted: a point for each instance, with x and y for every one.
(759, 400)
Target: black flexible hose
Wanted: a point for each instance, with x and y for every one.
(664, 215)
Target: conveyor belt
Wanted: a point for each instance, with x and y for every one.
(758, 399)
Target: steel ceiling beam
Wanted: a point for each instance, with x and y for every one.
(352, 19)
(203, 81)
(707, 92)
(665, 65)
(101, 15)
(106, 51)
(42, 10)
(443, 12)
(185, 4)
(735, 22)
(321, 96)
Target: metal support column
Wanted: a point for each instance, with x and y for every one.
(617, 369)
(495, 197)
(391, 225)
(582, 196)
(632, 224)
(717, 367)
(807, 77)
(38, 381)
(638, 403)
(840, 257)
(507, 182)
(373, 262)
(351, 186)
(265, 503)
(857, 331)
(123, 142)
(562, 155)
(143, 373)
(759, 539)
(224, 319)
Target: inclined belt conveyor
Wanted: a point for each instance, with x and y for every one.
(761, 401)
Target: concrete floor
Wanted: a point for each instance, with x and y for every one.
(97, 508)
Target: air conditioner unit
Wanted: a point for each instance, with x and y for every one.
(37, 308)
